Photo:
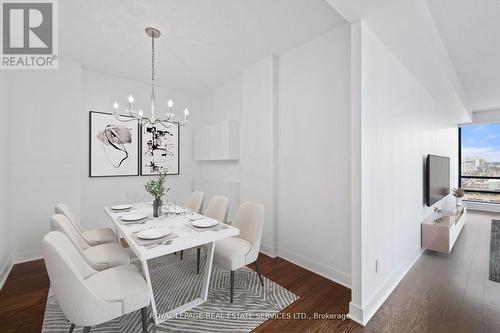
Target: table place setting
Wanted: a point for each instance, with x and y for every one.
(134, 218)
(202, 224)
(153, 236)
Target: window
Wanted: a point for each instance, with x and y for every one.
(479, 156)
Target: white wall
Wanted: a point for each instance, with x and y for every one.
(5, 243)
(49, 162)
(258, 138)
(408, 30)
(99, 92)
(46, 152)
(400, 123)
(222, 177)
(250, 99)
(314, 155)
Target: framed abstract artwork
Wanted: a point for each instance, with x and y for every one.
(159, 149)
(113, 146)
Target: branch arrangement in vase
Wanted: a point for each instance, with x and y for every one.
(157, 188)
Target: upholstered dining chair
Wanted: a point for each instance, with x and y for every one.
(236, 252)
(87, 297)
(195, 203)
(217, 209)
(91, 236)
(99, 257)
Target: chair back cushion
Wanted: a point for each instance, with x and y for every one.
(249, 219)
(67, 273)
(217, 208)
(64, 210)
(195, 201)
(59, 222)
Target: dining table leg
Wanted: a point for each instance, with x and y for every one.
(145, 270)
(203, 297)
(208, 271)
(117, 234)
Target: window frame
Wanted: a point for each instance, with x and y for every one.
(471, 177)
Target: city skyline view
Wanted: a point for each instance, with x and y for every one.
(481, 157)
(481, 142)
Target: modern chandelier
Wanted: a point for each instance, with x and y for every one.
(132, 114)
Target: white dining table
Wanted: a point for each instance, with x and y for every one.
(187, 238)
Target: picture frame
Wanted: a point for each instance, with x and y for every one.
(113, 146)
(162, 141)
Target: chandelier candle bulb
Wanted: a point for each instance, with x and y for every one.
(170, 103)
(186, 114)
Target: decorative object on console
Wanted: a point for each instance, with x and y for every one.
(160, 149)
(458, 193)
(441, 235)
(113, 146)
(157, 188)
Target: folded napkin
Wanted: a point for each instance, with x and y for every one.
(146, 242)
(217, 227)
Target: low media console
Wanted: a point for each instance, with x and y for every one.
(441, 235)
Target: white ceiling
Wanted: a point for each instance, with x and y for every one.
(203, 43)
(470, 30)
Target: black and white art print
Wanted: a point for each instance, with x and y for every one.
(160, 149)
(114, 146)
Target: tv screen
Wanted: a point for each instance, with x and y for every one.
(438, 178)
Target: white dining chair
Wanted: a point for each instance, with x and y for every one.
(217, 209)
(88, 297)
(236, 252)
(100, 257)
(91, 236)
(195, 203)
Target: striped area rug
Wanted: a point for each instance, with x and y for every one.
(495, 251)
(175, 282)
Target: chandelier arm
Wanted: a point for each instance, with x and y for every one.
(125, 119)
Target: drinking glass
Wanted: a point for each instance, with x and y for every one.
(164, 210)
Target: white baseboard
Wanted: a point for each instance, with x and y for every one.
(362, 315)
(27, 256)
(268, 250)
(356, 313)
(4, 273)
(483, 206)
(316, 267)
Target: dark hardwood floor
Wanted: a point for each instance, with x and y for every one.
(441, 293)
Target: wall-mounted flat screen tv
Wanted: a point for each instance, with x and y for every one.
(438, 178)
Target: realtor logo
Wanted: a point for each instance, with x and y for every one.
(29, 34)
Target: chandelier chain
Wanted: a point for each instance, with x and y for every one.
(153, 58)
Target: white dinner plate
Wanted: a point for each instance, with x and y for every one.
(133, 217)
(205, 223)
(121, 207)
(153, 233)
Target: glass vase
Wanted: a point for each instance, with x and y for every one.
(157, 203)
